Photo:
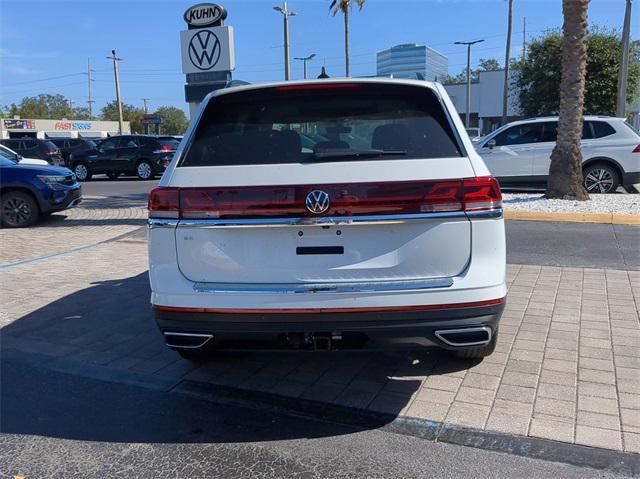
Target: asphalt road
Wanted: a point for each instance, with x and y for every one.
(58, 425)
(528, 242)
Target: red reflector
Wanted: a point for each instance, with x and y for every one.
(164, 203)
(318, 86)
(430, 307)
(636, 149)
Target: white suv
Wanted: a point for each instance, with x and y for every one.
(389, 226)
(519, 153)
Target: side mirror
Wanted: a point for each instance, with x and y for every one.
(19, 158)
(491, 144)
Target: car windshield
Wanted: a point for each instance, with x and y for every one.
(5, 161)
(50, 145)
(313, 123)
(8, 155)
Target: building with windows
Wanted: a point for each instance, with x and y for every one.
(410, 60)
(486, 101)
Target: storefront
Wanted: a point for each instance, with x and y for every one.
(20, 128)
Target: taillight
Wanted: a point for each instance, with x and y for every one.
(165, 149)
(482, 193)
(636, 149)
(164, 203)
(354, 199)
(318, 86)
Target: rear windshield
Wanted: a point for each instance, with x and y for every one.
(322, 123)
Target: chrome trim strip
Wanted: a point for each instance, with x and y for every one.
(162, 223)
(486, 329)
(318, 221)
(496, 213)
(206, 337)
(293, 288)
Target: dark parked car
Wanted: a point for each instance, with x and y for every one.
(28, 192)
(35, 148)
(72, 145)
(140, 155)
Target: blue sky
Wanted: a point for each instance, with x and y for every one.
(48, 52)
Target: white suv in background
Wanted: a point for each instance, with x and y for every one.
(253, 237)
(518, 154)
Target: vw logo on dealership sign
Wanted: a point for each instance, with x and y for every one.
(204, 50)
(317, 201)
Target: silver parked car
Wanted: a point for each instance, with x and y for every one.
(518, 154)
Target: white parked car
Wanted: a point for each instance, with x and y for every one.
(252, 237)
(11, 155)
(518, 154)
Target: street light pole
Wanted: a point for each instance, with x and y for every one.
(117, 78)
(468, 112)
(304, 62)
(507, 57)
(90, 101)
(623, 73)
(286, 14)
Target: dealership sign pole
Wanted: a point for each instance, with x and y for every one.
(207, 52)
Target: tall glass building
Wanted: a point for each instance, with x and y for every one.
(409, 59)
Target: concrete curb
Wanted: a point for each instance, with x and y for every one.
(626, 463)
(602, 218)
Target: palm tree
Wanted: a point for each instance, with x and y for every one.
(565, 172)
(344, 6)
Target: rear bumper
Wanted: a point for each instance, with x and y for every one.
(631, 178)
(387, 323)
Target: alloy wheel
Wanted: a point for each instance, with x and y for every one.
(16, 211)
(144, 170)
(599, 180)
(81, 172)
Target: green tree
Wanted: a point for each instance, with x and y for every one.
(344, 6)
(45, 106)
(130, 113)
(565, 172)
(174, 121)
(538, 77)
(484, 65)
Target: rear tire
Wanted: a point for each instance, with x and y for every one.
(82, 171)
(480, 352)
(18, 210)
(601, 178)
(199, 355)
(144, 170)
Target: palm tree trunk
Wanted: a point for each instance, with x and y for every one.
(346, 40)
(565, 172)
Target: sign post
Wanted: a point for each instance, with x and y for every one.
(207, 52)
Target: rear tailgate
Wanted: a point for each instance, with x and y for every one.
(394, 212)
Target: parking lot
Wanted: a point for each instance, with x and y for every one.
(566, 368)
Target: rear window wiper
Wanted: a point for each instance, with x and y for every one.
(355, 153)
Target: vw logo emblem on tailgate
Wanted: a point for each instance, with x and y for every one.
(317, 201)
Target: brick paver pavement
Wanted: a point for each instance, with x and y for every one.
(567, 364)
(95, 220)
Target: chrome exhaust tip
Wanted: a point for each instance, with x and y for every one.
(186, 340)
(479, 336)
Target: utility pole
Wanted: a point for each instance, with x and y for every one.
(304, 62)
(286, 14)
(117, 78)
(71, 108)
(524, 38)
(468, 112)
(507, 57)
(145, 107)
(90, 100)
(623, 73)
